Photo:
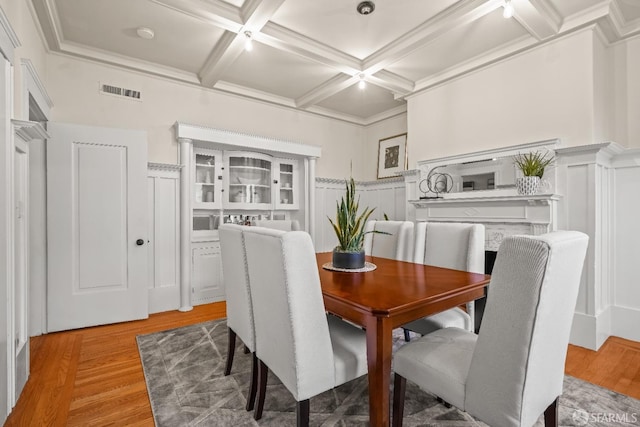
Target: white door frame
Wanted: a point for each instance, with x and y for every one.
(36, 106)
(8, 43)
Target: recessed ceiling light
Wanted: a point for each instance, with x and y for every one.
(145, 33)
(366, 7)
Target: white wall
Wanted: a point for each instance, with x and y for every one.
(541, 94)
(73, 84)
(372, 135)
(627, 62)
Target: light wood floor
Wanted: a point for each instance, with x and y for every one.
(93, 376)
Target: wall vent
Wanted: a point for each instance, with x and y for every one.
(120, 91)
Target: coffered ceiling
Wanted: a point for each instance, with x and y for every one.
(311, 54)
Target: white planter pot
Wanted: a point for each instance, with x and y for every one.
(528, 185)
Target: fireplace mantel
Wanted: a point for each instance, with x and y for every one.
(502, 215)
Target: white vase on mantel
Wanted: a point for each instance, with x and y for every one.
(528, 185)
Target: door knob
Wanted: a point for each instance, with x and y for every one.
(140, 242)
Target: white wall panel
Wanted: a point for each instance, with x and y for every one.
(164, 237)
(627, 237)
(577, 219)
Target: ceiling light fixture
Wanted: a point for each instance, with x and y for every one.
(145, 33)
(508, 9)
(362, 83)
(366, 7)
(248, 45)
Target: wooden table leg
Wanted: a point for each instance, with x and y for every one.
(379, 346)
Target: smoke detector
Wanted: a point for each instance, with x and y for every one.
(366, 7)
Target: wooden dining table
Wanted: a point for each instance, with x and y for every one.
(395, 293)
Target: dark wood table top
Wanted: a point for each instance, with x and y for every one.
(395, 286)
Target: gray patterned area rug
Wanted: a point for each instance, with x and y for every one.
(184, 372)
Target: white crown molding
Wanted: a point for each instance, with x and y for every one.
(480, 62)
(219, 13)
(29, 130)
(586, 16)
(326, 90)
(122, 61)
(460, 13)
(400, 109)
(33, 74)
(254, 93)
(8, 38)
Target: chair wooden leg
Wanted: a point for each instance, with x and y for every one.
(253, 387)
(231, 349)
(407, 337)
(551, 414)
(302, 413)
(263, 372)
(399, 388)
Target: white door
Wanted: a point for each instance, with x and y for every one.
(96, 206)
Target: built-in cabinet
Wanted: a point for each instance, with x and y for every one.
(231, 177)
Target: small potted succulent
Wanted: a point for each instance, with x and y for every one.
(349, 228)
(532, 166)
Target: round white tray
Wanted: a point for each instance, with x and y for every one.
(367, 267)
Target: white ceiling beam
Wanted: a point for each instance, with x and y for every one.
(284, 39)
(461, 13)
(326, 89)
(393, 82)
(215, 12)
(538, 17)
(224, 53)
(621, 26)
(256, 14)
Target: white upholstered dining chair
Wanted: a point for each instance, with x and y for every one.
(239, 306)
(459, 246)
(397, 244)
(307, 350)
(284, 224)
(513, 370)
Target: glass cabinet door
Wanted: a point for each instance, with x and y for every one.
(249, 180)
(287, 191)
(207, 179)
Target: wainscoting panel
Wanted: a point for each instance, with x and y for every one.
(164, 237)
(387, 196)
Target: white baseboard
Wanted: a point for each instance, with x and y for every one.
(625, 323)
(590, 331)
(164, 299)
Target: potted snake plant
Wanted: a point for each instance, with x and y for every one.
(349, 228)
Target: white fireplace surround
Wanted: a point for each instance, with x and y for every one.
(591, 189)
(502, 216)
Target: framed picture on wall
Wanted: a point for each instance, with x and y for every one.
(392, 155)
